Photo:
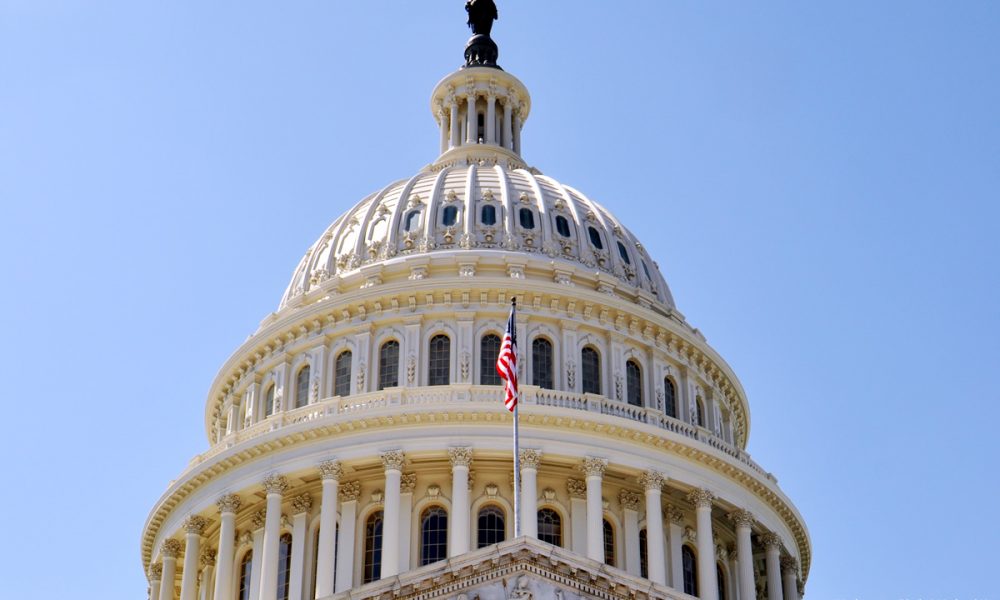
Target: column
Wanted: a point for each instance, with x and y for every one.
(193, 526)
(734, 572)
(508, 139)
(471, 126)
(790, 578)
(296, 577)
(630, 508)
(707, 583)
(491, 118)
(577, 490)
(676, 519)
(594, 468)
(274, 486)
(743, 520)
(393, 463)
(530, 460)
(652, 482)
(256, 542)
(228, 505)
(330, 472)
(348, 496)
(407, 483)
(169, 551)
(207, 561)
(443, 120)
(772, 558)
(155, 576)
(461, 510)
(456, 140)
(517, 131)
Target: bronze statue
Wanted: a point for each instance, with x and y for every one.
(481, 50)
(482, 13)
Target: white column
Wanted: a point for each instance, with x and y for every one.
(676, 519)
(393, 463)
(169, 551)
(743, 520)
(155, 576)
(577, 490)
(508, 139)
(348, 496)
(772, 558)
(256, 542)
(652, 482)
(530, 460)
(407, 483)
(207, 561)
(274, 486)
(193, 526)
(296, 577)
(790, 578)
(630, 502)
(471, 126)
(461, 509)
(443, 120)
(228, 505)
(491, 119)
(330, 471)
(734, 573)
(708, 585)
(517, 131)
(594, 468)
(456, 140)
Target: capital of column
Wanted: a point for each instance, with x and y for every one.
(460, 457)
(672, 513)
(407, 483)
(741, 518)
(349, 491)
(259, 518)
(651, 480)
(530, 459)
(330, 469)
(207, 558)
(195, 524)
(301, 503)
(593, 466)
(701, 498)
(576, 488)
(155, 571)
(789, 565)
(229, 503)
(170, 548)
(275, 484)
(393, 460)
(629, 500)
(771, 540)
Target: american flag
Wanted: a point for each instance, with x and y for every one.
(507, 362)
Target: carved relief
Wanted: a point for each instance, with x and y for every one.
(593, 466)
(407, 483)
(393, 460)
(460, 456)
(331, 469)
(349, 491)
(629, 500)
(530, 459)
(228, 503)
(301, 503)
(576, 488)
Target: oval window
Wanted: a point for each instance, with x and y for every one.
(562, 226)
(595, 238)
(527, 218)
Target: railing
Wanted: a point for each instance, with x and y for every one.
(476, 394)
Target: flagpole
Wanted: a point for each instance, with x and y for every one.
(517, 451)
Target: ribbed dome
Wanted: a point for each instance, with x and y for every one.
(481, 208)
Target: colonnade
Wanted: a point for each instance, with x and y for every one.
(503, 131)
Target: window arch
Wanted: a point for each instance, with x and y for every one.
(491, 526)
(643, 553)
(542, 363)
(690, 570)
(590, 367)
(302, 387)
(449, 216)
(699, 414)
(609, 543)
(624, 253)
(246, 570)
(526, 218)
(433, 535)
(488, 215)
(412, 220)
(439, 360)
(388, 365)
(373, 548)
(269, 401)
(550, 527)
(342, 374)
(562, 226)
(595, 238)
(633, 380)
(489, 350)
(284, 565)
(669, 397)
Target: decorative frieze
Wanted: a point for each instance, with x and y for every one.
(393, 460)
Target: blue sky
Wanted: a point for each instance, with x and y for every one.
(819, 182)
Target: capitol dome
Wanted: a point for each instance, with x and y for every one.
(358, 444)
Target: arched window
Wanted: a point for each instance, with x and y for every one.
(412, 220)
(491, 526)
(433, 535)
(302, 387)
(439, 361)
(342, 374)
(269, 401)
(633, 380)
(388, 365)
(489, 215)
(609, 543)
(284, 565)
(527, 218)
(699, 417)
(624, 253)
(590, 367)
(246, 570)
(550, 527)
(489, 349)
(595, 238)
(643, 553)
(562, 226)
(669, 397)
(541, 363)
(373, 548)
(690, 570)
(720, 577)
(449, 216)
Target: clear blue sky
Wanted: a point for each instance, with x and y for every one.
(819, 182)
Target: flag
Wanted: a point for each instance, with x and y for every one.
(507, 362)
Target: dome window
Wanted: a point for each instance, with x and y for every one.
(527, 218)
(562, 226)
(450, 216)
(550, 527)
(439, 361)
(591, 368)
(669, 398)
(491, 526)
(633, 377)
(595, 238)
(342, 374)
(388, 365)
(541, 363)
(433, 535)
(489, 215)
(373, 549)
(624, 253)
(412, 220)
(489, 350)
